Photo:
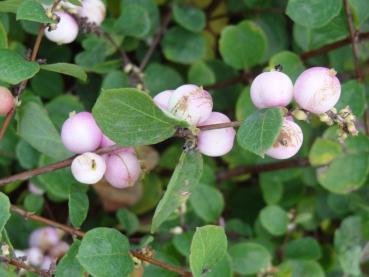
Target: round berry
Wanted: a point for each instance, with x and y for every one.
(80, 133)
(93, 10)
(289, 141)
(122, 170)
(34, 256)
(66, 30)
(44, 238)
(59, 250)
(46, 263)
(35, 189)
(271, 89)
(217, 142)
(191, 103)
(88, 168)
(162, 99)
(6, 101)
(317, 89)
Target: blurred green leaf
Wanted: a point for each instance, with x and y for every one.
(128, 220)
(10, 6)
(274, 219)
(78, 205)
(3, 36)
(352, 95)
(69, 265)
(32, 10)
(291, 63)
(300, 268)
(190, 18)
(201, 74)
(324, 151)
(304, 248)
(4, 210)
(66, 69)
(33, 203)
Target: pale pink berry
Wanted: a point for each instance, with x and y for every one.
(6, 101)
(288, 142)
(66, 30)
(317, 89)
(80, 133)
(191, 103)
(106, 142)
(122, 170)
(162, 99)
(35, 189)
(93, 10)
(47, 262)
(34, 256)
(271, 89)
(44, 238)
(88, 168)
(59, 250)
(217, 142)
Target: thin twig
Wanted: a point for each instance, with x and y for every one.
(22, 265)
(79, 233)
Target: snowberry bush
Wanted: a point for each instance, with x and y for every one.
(186, 138)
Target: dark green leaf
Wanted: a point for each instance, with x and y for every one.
(4, 210)
(78, 207)
(274, 219)
(128, 220)
(66, 69)
(32, 10)
(190, 18)
(304, 248)
(69, 265)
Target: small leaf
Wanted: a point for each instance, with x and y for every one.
(201, 74)
(298, 268)
(66, 69)
(130, 118)
(10, 6)
(14, 68)
(128, 220)
(274, 219)
(304, 248)
(33, 203)
(69, 265)
(259, 131)
(4, 210)
(324, 151)
(78, 207)
(291, 63)
(352, 95)
(104, 252)
(32, 10)
(208, 247)
(184, 180)
(190, 18)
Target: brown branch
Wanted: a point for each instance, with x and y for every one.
(159, 34)
(79, 233)
(22, 265)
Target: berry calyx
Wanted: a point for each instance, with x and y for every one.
(6, 101)
(66, 30)
(88, 168)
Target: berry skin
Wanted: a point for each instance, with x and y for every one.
(6, 101)
(162, 99)
(122, 170)
(80, 133)
(34, 256)
(88, 168)
(59, 250)
(271, 89)
(44, 238)
(289, 141)
(93, 10)
(218, 142)
(191, 103)
(46, 263)
(317, 89)
(35, 189)
(66, 30)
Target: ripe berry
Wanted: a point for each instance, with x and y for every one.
(122, 170)
(191, 103)
(66, 30)
(59, 250)
(80, 133)
(271, 89)
(34, 256)
(46, 263)
(6, 101)
(289, 141)
(35, 189)
(217, 142)
(88, 168)
(317, 89)
(44, 238)
(162, 99)
(93, 10)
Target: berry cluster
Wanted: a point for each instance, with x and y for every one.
(81, 135)
(194, 105)
(316, 90)
(66, 30)
(46, 247)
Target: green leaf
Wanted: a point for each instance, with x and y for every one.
(66, 69)
(185, 178)
(27, 156)
(32, 10)
(115, 79)
(130, 118)
(35, 127)
(304, 248)
(14, 68)
(313, 13)
(190, 18)
(78, 205)
(69, 265)
(4, 210)
(244, 106)
(222, 269)
(208, 247)
(249, 258)
(274, 219)
(345, 174)
(291, 63)
(182, 46)
(207, 202)
(33, 203)
(358, 9)
(3, 36)
(300, 268)
(47, 84)
(324, 151)
(104, 252)
(201, 74)
(10, 6)
(128, 220)
(243, 46)
(260, 131)
(352, 95)
(271, 187)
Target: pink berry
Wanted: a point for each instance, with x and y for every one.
(46, 263)
(289, 141)
(191, 103)
(6, 101)
(34, 256)
(93, 10)
(122, 170)
(66, 30)
(59, 250)
(162, 99)
(216, 142)
(271, 89)
(80, 133)
(317, 89)
(44, 238)
(88, 168)
(35, 189)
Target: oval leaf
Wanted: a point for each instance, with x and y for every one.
(66, 69)
(32, 10)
